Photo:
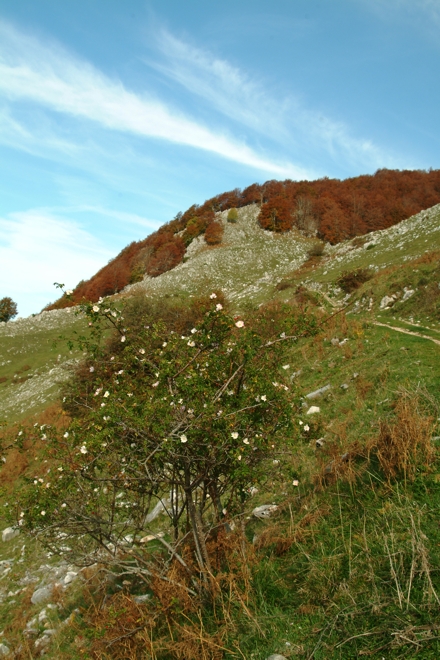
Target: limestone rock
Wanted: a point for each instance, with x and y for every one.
(9, 533)
(313, 410)
(264, 511)
(41, 595)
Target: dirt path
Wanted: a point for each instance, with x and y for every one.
(408, 332)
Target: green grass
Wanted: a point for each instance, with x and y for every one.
(358, 574)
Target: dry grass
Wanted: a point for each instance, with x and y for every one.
(404, 446)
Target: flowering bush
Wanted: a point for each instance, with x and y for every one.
(185, 420)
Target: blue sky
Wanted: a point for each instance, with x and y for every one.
(116, 115)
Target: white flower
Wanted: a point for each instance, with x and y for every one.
(275, 462)
(246, 441)
(129, 393)
(44, 436)
(95, 308)
(234, 435)
(300, 422)
(183, 439)
(92, 369)
(155, 384)
(123, 338)
(212, 296)
(306, 427)
(142, 351)
(102, 405)
(263, 397)
(164, 344)
(191, 343)
(240, 324)
(43, 513)
(106, 394)
(60, 469)
(239, 457)
(224, 512)
(112, 358)
(295, 482)
(98, 391)
(121, 371)
(193, 331)
(286, 366)
(282, 335)
(83, 449)
(63, 506)
(20, 433)
(114, 314)
(66, 435)
(69, 292)
(218, 307)
(22, 514)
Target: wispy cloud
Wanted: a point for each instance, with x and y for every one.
(284, 118)
(51, 77)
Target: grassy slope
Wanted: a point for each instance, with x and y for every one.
(347, 567)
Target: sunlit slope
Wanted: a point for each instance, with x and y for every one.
(33, 362)
(245, 265)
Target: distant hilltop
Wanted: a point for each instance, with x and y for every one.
(328, 209)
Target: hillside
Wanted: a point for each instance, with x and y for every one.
(328, 209)
(344, 563)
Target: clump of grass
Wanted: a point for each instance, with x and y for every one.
(404, 446)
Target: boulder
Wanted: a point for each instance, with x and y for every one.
(317, 393)
(313, 410)
(9, 533)
(264, 511)
(42, 594)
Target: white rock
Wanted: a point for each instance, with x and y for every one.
(408, 293)
(42, 594)
(9, 533)
(386, 301)
(151, 537)
(4, 650)
(69, 577)
(264, 511)
(317, 393)
(276, 656)
(313, 410)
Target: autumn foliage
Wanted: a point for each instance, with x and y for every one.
(214, 233)
(330, 209)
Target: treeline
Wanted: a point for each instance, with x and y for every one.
(330, 209)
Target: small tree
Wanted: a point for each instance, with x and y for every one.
(232, 215)
(214, 233)
(8, 309)
(183, 422)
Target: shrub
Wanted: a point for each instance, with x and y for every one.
(317, 250)
(186, 422)
(232, 215)
(8, 309)
(350, 281)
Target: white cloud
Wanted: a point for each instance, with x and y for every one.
(51, 77)
(284, 119)
(37, 249)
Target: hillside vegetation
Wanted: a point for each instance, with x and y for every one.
(296, 382)
(330, 209)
